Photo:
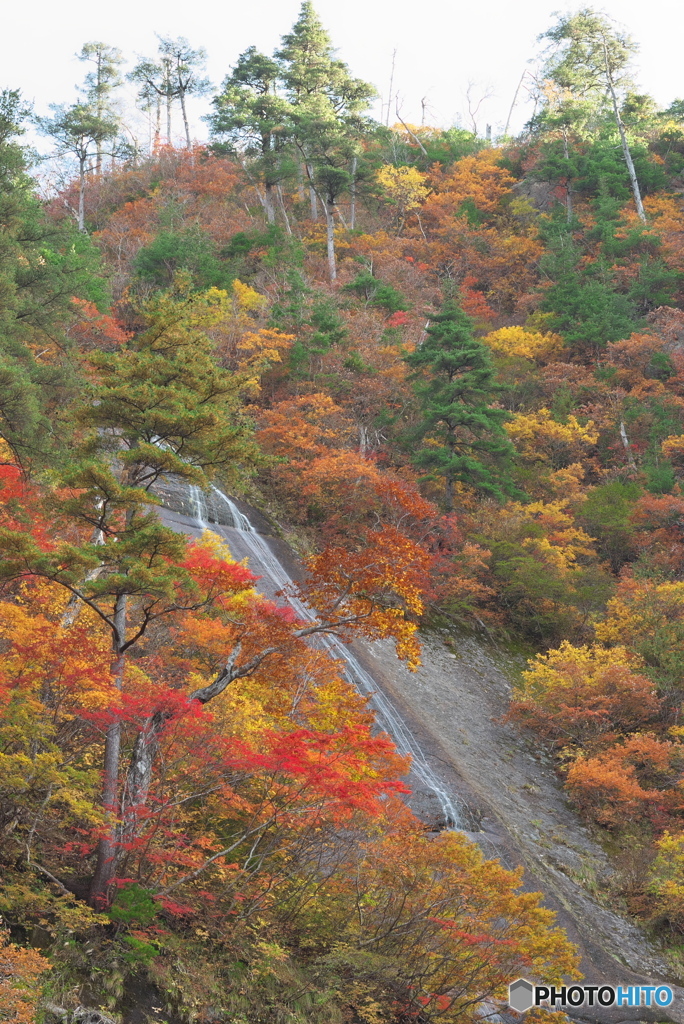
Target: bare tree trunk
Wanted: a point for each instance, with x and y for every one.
(139, 775)
(108, 845)
(157, 126)
(268, 202)
(81, 193)
(626, 446)
(391, 87)
(312, 194)
(186, 126)
(636, 191)
(169, 100)
(281, 204)
(330, 232)
(568, 180)
(515, 100)
(352, 212)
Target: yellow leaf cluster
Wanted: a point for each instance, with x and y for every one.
(516, 341)
(262, 348)
(246, 299)
(539, 438)
(404, 186)
(667, 876)
(638, 611)
(672, 448)
(559, 669)
(560, 543)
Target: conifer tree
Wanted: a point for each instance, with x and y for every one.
(253, 120)
(100, 83)
(328, 106)
(162, 405)
(42, 265)
(462, 433)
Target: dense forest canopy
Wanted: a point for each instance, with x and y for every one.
(452, 370)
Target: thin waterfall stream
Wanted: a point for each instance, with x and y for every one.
(264, 561)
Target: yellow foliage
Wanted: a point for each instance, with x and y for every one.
(246, 299)
(639, 610)
(558, 543)
(516, 341)
(672, 448)
(567, 482)
(539, 438)
(667, 876)
(262, 348)
(404, 186)
(558, 670)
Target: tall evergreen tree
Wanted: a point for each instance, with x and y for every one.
(462, 433)
(328, 106)
(42, 265)
(254, 121)
(100, 84)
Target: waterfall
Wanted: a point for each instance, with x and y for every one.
(266, 562)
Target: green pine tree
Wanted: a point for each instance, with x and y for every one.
(462, 433)
(253, 121)
(328, 119)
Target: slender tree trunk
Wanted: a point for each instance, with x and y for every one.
(268, 202)
(157, 126)
(139, 775)
(449, 476)
(312, 194)
(636, 191)
(352, 212)
(169, 100)
(108, 845)
(281, 204)
(449, 493)
(186, 126)
(568, 180)
(626, 446)
(81, 192)
(330, 226)
(515, 100)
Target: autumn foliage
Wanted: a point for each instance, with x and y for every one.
(450, 373)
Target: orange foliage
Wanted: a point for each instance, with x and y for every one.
(378, 584)
(585, 695)
(659, 520)
(478, 178)
(634, 778)
(20, 970)
(94, 330)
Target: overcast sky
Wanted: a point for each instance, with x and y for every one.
(441, 45)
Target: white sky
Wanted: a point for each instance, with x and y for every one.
(441, 45)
